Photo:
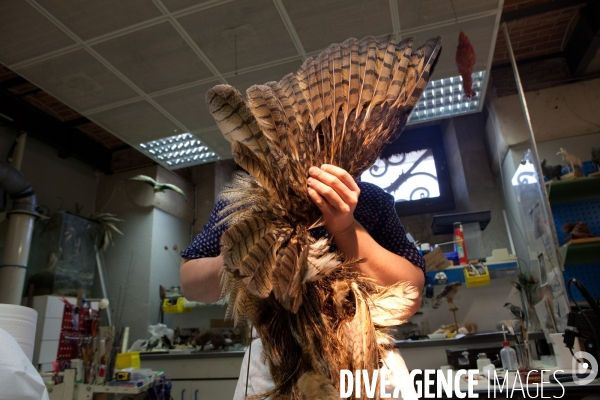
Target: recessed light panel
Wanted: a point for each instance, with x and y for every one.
(445, 98)
(178, 151)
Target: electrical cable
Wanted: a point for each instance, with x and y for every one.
(593, 305)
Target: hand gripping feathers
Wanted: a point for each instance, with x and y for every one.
(313, 314)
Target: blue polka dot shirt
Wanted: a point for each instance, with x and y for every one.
(375, 212)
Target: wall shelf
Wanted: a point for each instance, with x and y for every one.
(497, 270)
(574, 190)
(581, 253)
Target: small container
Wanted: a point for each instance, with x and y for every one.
(477, 280)
(482, 361)
(128, 360)
(509, 357)
(177, 308)
(459, 243)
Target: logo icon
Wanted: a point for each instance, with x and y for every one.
(581, 364)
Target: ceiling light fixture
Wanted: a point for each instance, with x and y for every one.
(444, 98)
(178, 151)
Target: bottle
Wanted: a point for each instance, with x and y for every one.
(459, 243)
(482, 361)
(508, 355)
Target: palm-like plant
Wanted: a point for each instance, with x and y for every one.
(107, 223)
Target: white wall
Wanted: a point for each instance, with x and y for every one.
(151, 222)
(556, 113)
(173, 233)
(127, 268)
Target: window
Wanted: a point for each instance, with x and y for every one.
(414, 170)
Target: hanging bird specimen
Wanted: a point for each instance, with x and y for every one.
(314, 315)
(158, 187)
(465, 59)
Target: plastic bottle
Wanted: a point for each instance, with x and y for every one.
(482, 361)
(508, 355)
(459, 243)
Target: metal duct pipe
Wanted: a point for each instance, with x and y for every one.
(20, 229)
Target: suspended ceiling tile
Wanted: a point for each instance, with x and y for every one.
(154, 58)
(479, 32)
(89, 19)
(244, 81)
(25, 33)
(79, 80)
(216, 142)
(414, 14)
(254, 27)
(188, 106)
(319, 23)
(176, 5)
(136, 122)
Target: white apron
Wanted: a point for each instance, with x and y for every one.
(260, 377)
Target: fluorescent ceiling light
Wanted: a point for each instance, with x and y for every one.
(178, 151)
(441, 98)
(444, 98)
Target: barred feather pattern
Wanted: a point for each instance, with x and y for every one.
(315, 316)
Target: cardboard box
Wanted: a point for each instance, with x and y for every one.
(436, 260)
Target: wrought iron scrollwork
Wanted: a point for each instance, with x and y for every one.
(386, 163)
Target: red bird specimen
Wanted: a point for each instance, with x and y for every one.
(465, 59)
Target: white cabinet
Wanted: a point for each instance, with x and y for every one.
(201, 376)
(180, 390)
(214, 389)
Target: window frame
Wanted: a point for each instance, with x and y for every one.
(418, 139)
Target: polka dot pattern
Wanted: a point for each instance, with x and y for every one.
(375, 212)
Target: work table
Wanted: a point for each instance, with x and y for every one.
(473, 339)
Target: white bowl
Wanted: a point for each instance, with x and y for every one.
(437, 336)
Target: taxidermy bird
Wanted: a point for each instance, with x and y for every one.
(314, 315)
(465, 60)
(447, 293)
(515, 310)
(158, 187)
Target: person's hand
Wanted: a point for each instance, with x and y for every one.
(334, 191)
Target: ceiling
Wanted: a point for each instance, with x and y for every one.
(119, 73)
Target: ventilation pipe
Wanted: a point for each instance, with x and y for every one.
(20, 229)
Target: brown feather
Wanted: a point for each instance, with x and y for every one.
(314, 316)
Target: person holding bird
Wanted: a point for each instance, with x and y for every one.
(317, 261)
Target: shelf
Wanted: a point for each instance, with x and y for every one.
(581, 253)
(497, 270)
(444, 224)
(574, 190)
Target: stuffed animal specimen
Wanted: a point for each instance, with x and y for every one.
(571, 160)
(596, 158)
(314, 315)
(447, 293)
(465, 59)
(158, 187)
(214, 337)
(552, 172)
(515, 310)
(577, 230)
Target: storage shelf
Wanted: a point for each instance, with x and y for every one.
(574, 190)
(580, 253)
(455, 273)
